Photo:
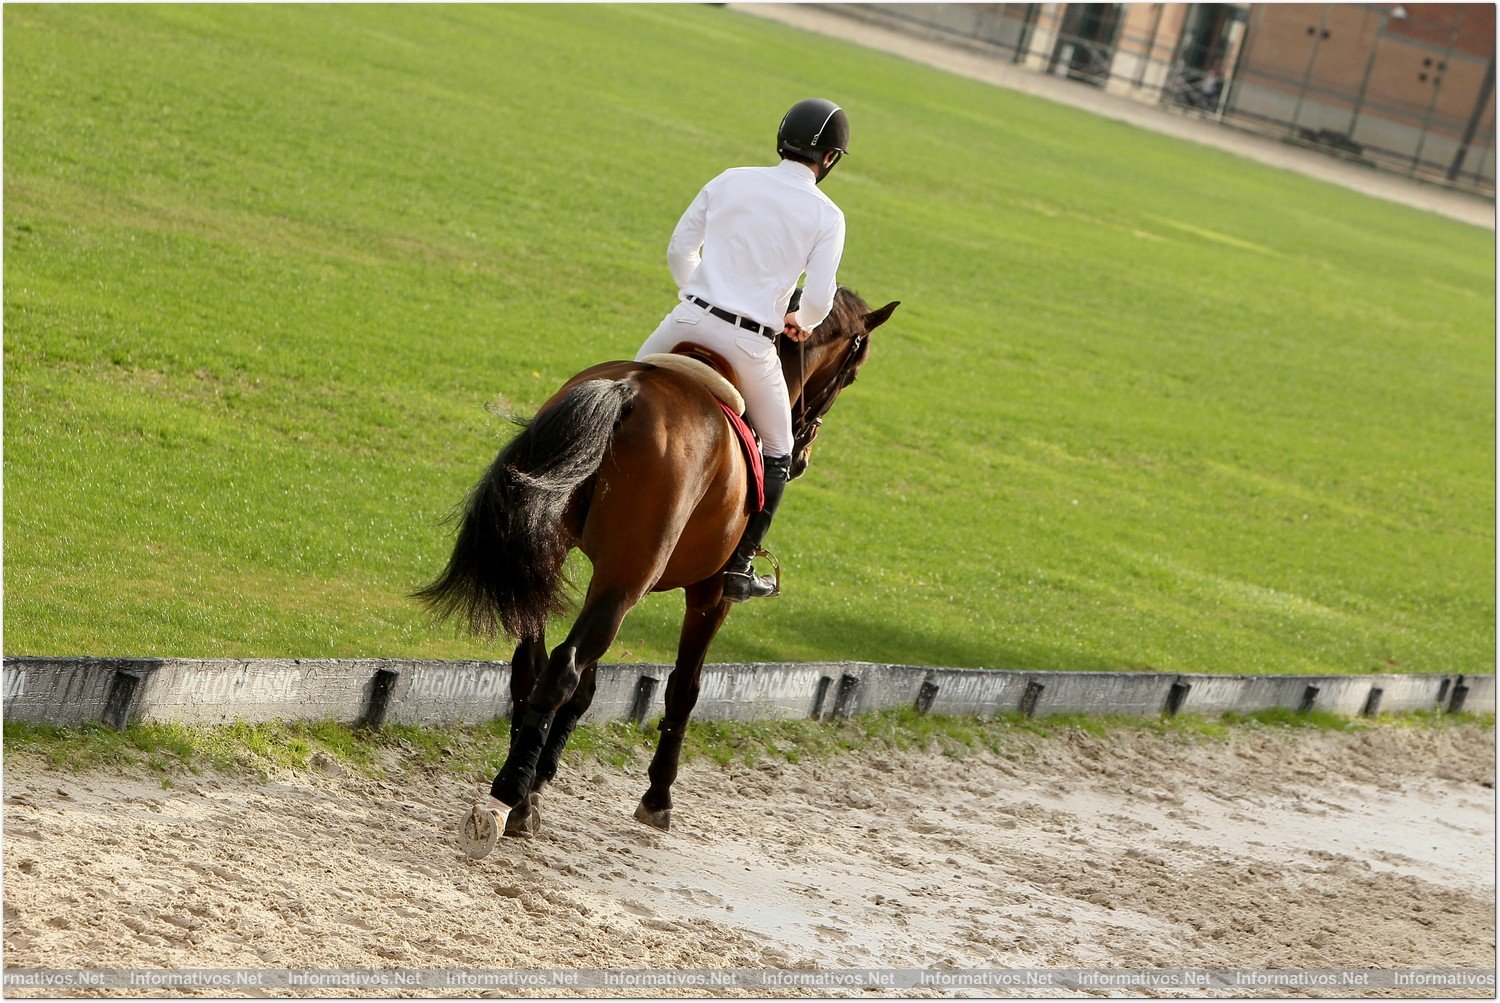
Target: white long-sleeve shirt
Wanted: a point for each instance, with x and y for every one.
(759, 230)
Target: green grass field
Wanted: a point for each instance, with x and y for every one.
(1145, 405)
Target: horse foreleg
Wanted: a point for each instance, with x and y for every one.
(706, 612)
(587, 642)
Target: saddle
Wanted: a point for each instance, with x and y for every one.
(716, 375)
(706, 366)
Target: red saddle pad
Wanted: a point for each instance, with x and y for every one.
(755, 495)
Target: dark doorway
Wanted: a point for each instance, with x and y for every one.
(1086, 43)
(1206, 36)
(1199, 72)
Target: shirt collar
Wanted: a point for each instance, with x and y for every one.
(800, 172)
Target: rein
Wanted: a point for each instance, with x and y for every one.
(830, 392)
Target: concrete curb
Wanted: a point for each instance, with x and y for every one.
(73, 691)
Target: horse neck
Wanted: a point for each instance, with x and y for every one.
(797, 388)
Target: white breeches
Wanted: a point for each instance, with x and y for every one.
(757, 369)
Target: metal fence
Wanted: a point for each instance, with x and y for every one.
(1223, 62)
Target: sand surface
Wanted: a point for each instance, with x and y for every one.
(1265, 849)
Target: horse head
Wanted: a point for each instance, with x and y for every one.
(818, 369)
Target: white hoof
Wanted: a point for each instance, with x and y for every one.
(481, 828)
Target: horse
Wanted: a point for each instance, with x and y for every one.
(637, 466)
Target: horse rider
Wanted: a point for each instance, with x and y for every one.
(736, 256)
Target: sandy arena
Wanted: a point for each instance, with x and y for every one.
(1267, 849)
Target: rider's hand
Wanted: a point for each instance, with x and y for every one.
(792, 329)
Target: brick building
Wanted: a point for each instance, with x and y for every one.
(1392, 82)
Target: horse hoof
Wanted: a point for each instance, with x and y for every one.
(656, 819)
(528, 825)
(479, 832)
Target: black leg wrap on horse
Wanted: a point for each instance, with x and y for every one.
(519, 772)
(510, 785)
(537, 720)
(557, 740)
(668, 727)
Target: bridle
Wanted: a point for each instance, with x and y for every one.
(807, 428)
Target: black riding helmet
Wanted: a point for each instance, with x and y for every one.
(812, 128)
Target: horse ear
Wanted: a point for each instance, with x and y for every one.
(875, 318)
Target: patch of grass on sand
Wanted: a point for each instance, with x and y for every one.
(476, 751)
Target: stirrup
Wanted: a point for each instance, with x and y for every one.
(775, 567)
(754, 578)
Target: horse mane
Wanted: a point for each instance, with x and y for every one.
(846, 317)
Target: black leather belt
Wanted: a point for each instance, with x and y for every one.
(736, 319)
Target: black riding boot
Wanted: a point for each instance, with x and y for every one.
(740, 580)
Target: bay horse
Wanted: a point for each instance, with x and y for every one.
(637, 466)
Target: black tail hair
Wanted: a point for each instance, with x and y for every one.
(506, 569)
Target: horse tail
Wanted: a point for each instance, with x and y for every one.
(506, 569)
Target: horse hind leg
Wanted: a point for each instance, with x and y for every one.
(481, 828)
(525, 820)
(526, 666)
(587, 642)
(563, 725)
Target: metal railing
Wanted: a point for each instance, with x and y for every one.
(1337, 118)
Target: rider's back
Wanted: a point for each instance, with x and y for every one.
(760, 226)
